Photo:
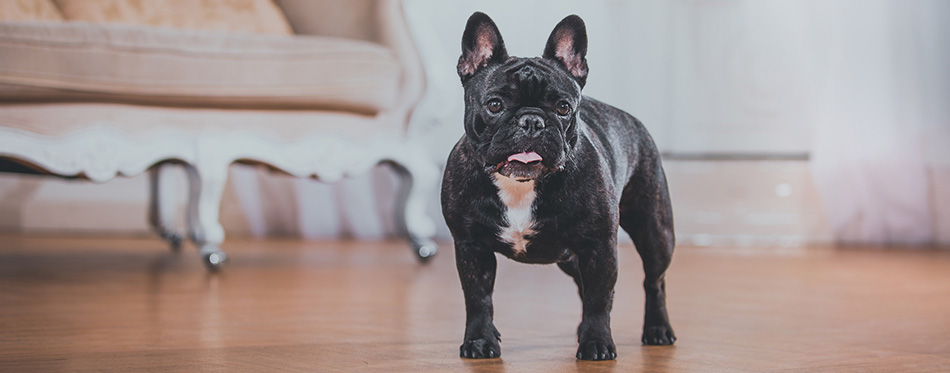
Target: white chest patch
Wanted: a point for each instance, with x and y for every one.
(518, 198)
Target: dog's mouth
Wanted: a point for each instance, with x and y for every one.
(524, 166)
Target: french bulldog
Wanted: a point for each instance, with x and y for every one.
(545, 175)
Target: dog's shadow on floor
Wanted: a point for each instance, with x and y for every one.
(484, 365)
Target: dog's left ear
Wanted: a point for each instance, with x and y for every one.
(568, 45)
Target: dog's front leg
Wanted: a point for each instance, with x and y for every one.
(476, 268)
(598, 274)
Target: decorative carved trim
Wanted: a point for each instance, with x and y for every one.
(100, 153)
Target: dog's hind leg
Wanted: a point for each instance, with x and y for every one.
(570, 267)
(646, 214)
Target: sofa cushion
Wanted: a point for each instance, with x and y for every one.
(251, 16)
(29, 10)
(111, 63)
(69, 119)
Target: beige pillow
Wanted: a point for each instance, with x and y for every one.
(247, 16)
(29, 10)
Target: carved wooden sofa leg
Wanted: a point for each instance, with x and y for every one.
(156, 211)
(206, 180)
(416, 181)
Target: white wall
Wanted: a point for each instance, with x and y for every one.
(704, 76)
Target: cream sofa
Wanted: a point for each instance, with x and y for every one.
(97, 101)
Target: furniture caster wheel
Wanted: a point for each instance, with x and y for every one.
(214, 260)
(425, 249)
(175, 240)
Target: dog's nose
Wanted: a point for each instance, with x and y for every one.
(531, 122)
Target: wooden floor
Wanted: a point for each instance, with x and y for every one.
(131, 305)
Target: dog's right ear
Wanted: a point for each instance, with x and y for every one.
(481, 45)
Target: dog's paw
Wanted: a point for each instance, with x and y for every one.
(658, 335)
(480, 349)
(597, 350)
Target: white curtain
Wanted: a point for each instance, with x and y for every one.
(881, 138)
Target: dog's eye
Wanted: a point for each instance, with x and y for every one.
(563, 108)
(494, 105)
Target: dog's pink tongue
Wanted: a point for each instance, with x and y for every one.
(524, 157)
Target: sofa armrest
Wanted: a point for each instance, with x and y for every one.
(351, 19)
(377, 21)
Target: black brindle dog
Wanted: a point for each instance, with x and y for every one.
(545, 175)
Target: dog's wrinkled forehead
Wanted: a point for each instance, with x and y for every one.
(535, 77)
